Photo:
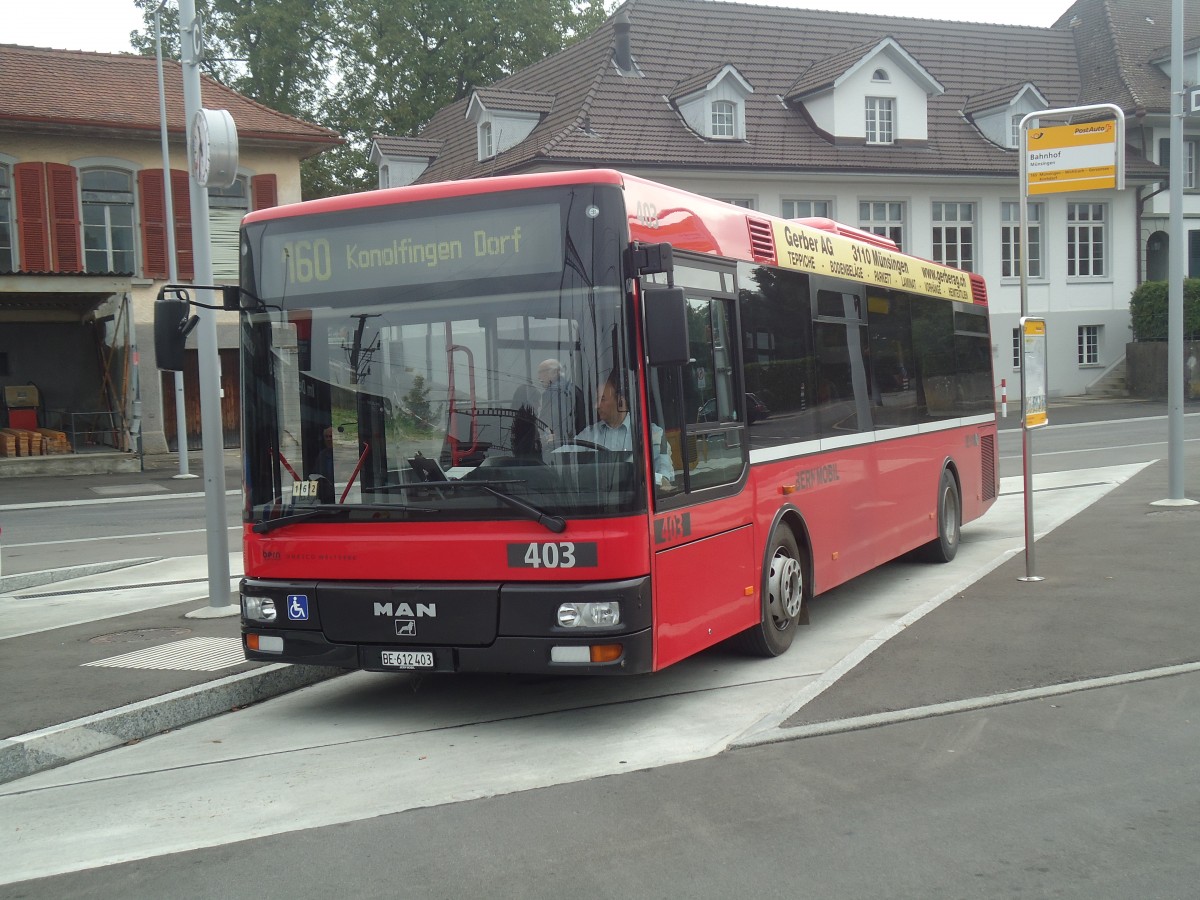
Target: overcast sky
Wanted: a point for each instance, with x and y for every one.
(105, 24)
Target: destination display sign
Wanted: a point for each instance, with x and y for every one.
(493, 243)
(812, 250)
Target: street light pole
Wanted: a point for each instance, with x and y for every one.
(172, 260)
(220, 602)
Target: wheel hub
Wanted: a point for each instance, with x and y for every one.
(786, 590)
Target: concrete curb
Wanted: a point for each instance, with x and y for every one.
(23, 581)
(58, 745)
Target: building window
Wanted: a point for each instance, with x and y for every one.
(1085, 240)
(883, 217)
(807, 209)
(486, 145)
(880, 116)
(1191, 160)
(880, 75)
(1010, 235)
(954, 234)
(1089, 345)
(108, 244)
(1016, 350)
(743, 202)
(7, 257)
(724, 119)
(1014, 137)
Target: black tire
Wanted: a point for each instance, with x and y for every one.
(944, 547)
(784, 598)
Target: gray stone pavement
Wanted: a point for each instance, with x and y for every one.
(1119, 596)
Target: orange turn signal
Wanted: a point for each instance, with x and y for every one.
(602, 653)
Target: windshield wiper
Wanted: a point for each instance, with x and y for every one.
(557, 524)
(554, 523)
(330, 512)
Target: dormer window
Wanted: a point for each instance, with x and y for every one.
(998, 112)
(505, 118)
(487, 147)
(880, 119)
(853, 95)
(724, 119)
(713, 103)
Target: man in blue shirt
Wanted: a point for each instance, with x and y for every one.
(612, 432)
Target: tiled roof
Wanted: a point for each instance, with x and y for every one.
(54, 90)
(515, 101)
(406, 146)
(823, 73)
(602, 117)
(996, 97)
(1116, 41)
(696, 82)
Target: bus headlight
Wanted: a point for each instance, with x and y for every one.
(605, 614)
(259, 609)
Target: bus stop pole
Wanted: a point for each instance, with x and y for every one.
(220, 601)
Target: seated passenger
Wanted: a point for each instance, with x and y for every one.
(612, 431)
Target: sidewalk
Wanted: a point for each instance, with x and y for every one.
(1118, 596)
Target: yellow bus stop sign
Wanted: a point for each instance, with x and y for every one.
(1081, 157)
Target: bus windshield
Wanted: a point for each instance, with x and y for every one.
(438, 358)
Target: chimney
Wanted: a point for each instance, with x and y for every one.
(622, 52)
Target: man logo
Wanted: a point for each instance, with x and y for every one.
(406, 627)
(423, 610)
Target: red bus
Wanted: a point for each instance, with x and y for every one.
(580, 422)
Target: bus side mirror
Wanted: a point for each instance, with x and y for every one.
(171, 329)
(231, 298)
(665, 314)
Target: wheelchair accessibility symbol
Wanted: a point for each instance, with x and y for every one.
(297, 607)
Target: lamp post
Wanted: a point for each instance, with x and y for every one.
(172, 260)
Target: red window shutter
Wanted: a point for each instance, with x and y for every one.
(32, 223)
(264, 190)
(153, 208)
(181, 206)
(66, 248)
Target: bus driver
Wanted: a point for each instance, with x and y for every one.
(611, 432)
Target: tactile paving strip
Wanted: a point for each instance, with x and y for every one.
(197, 654)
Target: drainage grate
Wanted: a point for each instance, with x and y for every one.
(198, 654)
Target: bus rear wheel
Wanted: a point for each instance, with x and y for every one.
(784, 598)
(944, 547)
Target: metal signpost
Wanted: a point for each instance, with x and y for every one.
(1087, 154)
(1034, 388)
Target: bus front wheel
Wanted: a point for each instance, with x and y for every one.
(944, 547)
(784, 598)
